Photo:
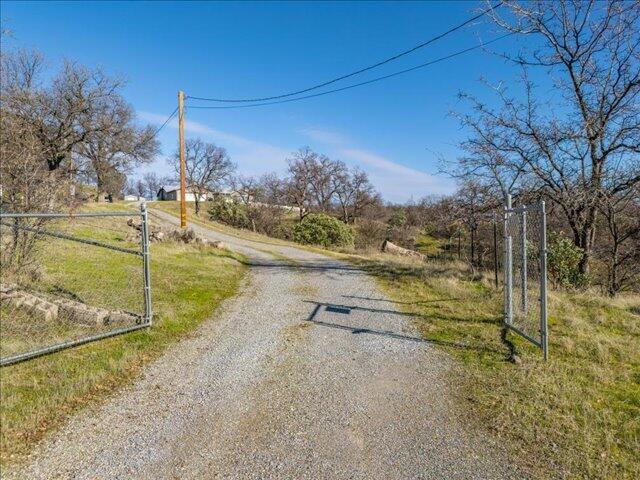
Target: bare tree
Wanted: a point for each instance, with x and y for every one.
(207, 168)
(118, 144)
(322, 186)
(152, 183)
(590, 151)
(297, 190)
(115, 182)
(272, 189)
(66, 112)
(247, 188)
(140, 188)
(473, 203)
(79, 118)
(353, 192)
(621, 251)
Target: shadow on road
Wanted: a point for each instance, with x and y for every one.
(437, 300)
(356, 330)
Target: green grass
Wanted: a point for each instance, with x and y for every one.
(173, 207)
(188, 283)
(577, 415)
(428, 245)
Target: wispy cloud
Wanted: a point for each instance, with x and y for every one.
(324, 136)
(395, 181)
(252, 157)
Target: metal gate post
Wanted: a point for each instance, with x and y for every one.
(148, 314)
(543, 281)
(523, 267)
(495, 248)
(508, 283)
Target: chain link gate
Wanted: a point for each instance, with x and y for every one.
(92, 280)
(525, 272)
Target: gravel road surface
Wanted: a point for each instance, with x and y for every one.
(308, 373)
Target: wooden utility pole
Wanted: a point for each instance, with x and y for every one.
(183, 180)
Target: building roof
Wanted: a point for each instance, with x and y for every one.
(170, 188)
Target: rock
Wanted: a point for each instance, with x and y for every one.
(47, 308)
(394, 249)
(158, 234)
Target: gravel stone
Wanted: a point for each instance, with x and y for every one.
(309, 373)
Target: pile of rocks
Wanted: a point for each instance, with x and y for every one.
(160, 234)
(49, 308)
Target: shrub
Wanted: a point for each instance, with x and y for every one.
(229, 213)
(563, 258)
(321, 229)
(370, 233)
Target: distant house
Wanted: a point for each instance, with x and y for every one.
(173, 193)
(133, 198)
(226, 195)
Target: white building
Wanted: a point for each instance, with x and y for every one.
(133, 198)
(173, 193)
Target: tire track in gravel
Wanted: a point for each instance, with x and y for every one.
(308, 373)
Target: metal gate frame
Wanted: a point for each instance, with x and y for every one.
(144, 253)
(509, 211)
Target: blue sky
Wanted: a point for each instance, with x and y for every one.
(395, 129)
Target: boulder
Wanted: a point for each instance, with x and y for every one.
(394, 249)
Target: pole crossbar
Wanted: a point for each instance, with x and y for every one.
(66, 215)
(73, 239)
(4, 362)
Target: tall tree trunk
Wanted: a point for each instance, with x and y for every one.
(99, 187)
(584, 239)
(613, 271)
(473, 245)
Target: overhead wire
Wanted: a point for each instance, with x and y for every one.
(165, 123)
(348, 87)
(357, 72)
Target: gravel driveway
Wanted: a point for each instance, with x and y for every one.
(308, 373)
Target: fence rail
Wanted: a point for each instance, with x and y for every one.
(82, 285)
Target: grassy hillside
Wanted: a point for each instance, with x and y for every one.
(188, 283)
(577, 415)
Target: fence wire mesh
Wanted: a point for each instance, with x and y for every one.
(525, 298)
(68, 279)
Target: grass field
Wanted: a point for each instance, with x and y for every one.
(188, 283)
(575, 416)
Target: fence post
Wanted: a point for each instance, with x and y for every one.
(148, 313)
(495, 248)
(508, 283)
(543, 281)
(523, 268)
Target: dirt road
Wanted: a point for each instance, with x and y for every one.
(308, 373)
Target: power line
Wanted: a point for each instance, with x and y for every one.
(362, 70)
(377, 79)
(165, 122)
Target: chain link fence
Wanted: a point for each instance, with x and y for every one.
(70, 279)
(525, 272)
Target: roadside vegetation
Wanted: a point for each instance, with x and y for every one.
(188, 283)
(577, 415)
